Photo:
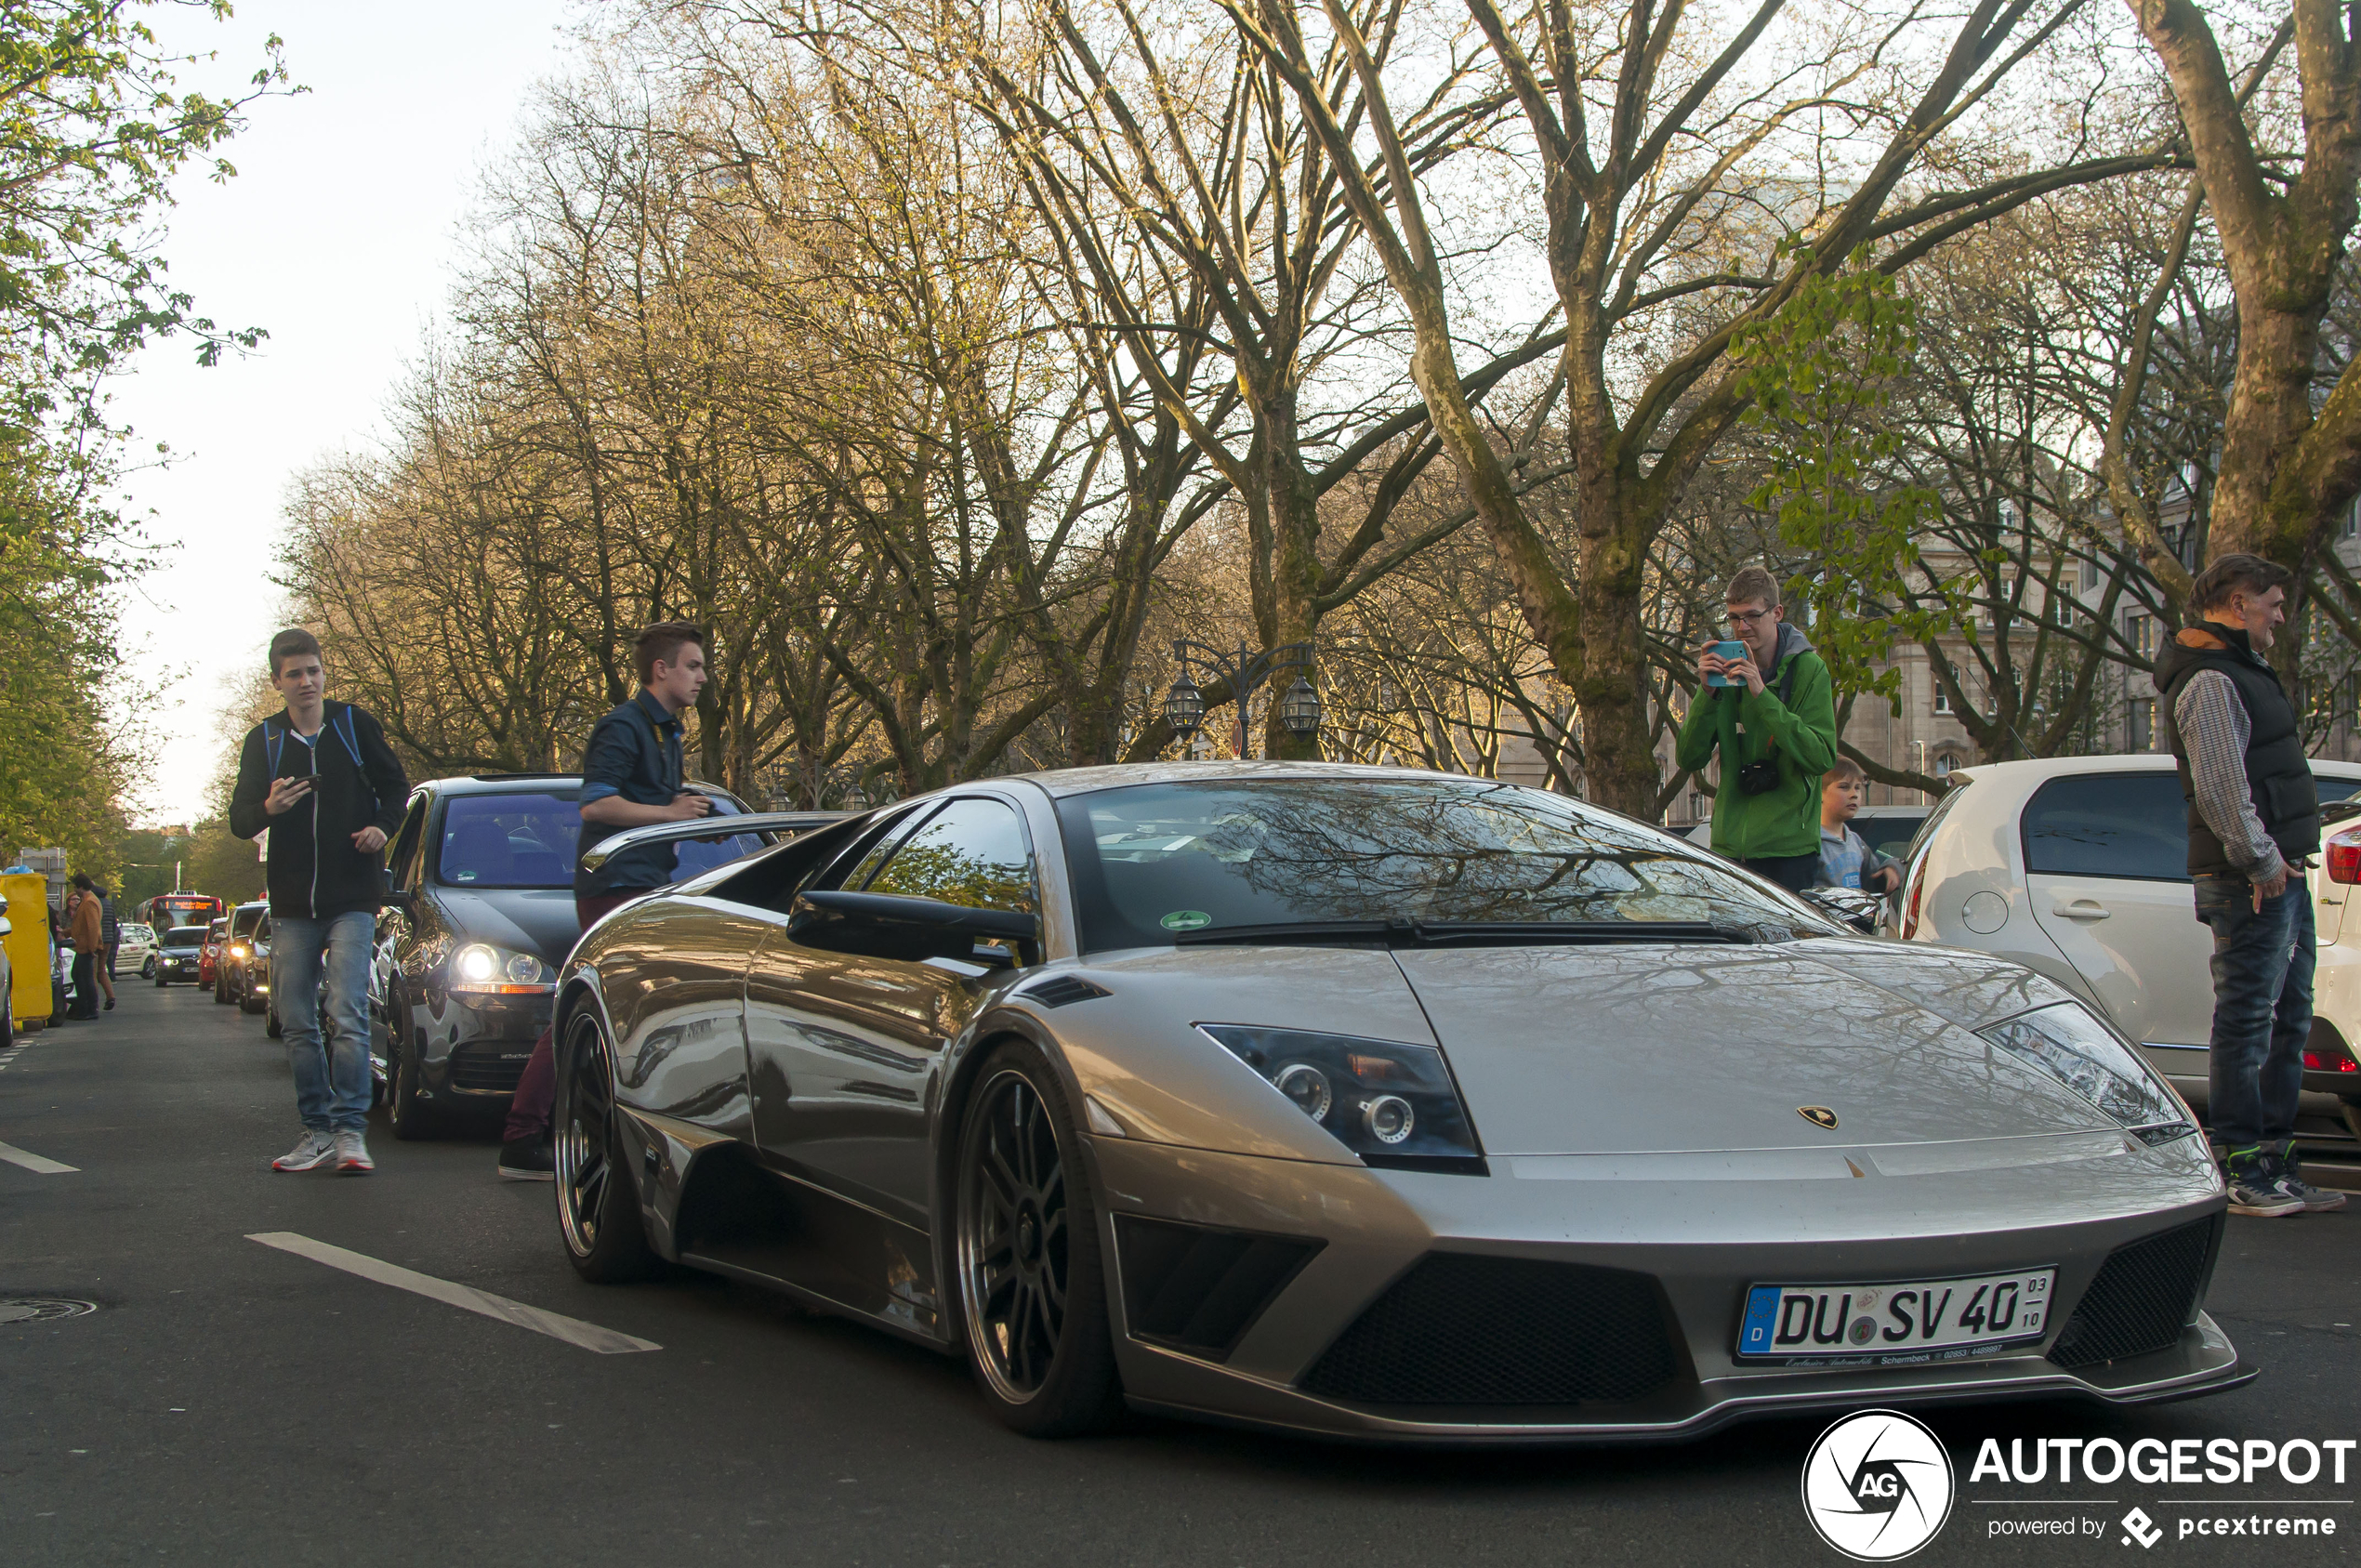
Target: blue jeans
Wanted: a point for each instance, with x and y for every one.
(2261, 1011)
(332, 1084)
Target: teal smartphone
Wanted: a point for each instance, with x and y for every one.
(1726, 651)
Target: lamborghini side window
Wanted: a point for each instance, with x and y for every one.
(857, 863)
(972, 852)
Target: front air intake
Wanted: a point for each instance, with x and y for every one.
(1199, 1289)
(1464, 1329)
(2146, 1293)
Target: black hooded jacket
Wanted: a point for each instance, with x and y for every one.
(314, 872)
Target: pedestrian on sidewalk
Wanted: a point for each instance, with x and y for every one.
(109, 943)
(1774, 727)
(632, 774)
(86, 931)
(320, 778)
(2254, 823)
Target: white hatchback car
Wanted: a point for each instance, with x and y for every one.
(2078, 867)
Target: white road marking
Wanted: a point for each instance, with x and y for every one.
(574, 1331)
(33, 1162)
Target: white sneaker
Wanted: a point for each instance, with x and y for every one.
(352, 1154)
(316, 1150)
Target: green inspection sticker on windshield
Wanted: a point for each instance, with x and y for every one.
(1186, 921)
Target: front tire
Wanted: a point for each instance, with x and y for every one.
(147, 967)
(248, 1002)
(1032, 1284)
(271, 1027)
(598, 1201)
(412, 1118)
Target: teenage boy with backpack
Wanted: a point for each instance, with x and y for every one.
(321, 779)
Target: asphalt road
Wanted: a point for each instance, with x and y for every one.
(231, 1402)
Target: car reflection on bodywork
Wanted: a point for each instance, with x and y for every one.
(1375, 1103)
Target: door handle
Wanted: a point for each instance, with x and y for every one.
(2081, 909)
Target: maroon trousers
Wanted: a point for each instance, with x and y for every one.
(538, 1090)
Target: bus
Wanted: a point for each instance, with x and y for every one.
(165, 910)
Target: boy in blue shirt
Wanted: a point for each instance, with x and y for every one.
(1846, 860)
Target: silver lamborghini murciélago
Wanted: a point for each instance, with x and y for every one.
(1377, 1103)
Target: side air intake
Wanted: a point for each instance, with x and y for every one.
(1199, 1289)
(2146, 1293)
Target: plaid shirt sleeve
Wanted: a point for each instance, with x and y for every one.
(2214, 728)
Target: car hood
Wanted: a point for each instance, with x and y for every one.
(1608, 1050)
(538, 920)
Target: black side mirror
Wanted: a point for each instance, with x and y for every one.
(1861, 910)
(888, 925)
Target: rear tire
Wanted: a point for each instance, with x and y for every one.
(598, 1216)
(1032, 1285)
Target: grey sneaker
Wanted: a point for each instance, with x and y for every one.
(316, 1150)
(2254, 1189)
(2288, 1180)
(352, 1153)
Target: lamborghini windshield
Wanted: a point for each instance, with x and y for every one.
(1158, 863)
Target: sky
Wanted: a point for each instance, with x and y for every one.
(337, 237)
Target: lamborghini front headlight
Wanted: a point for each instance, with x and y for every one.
(2082, 1053)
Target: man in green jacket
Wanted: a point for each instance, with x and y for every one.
(1775, 727)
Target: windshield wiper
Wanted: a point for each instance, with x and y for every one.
(1464, 933)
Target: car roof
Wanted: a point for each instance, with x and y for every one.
(540, 783)
(2025, 774)
(1062, 782)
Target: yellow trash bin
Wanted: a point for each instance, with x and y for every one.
(28, 945)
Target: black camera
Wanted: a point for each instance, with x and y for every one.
(1758, 778)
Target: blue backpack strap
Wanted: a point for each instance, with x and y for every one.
(344, 727)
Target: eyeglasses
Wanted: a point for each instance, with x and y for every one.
(1746, 617)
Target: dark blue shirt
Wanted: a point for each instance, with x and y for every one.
(635, 752)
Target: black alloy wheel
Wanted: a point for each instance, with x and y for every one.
(1033, 1301)
(411, 1116)
(598, 1201)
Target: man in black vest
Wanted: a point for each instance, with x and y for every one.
(2254, 821)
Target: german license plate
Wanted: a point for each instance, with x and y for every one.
(1912, 1319)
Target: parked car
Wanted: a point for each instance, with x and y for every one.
(216, 937)
(479, 913)
(1372, 1102)
(254, 990)
(180, 956)
(2078, 867)
(137, 948)
(230, 971)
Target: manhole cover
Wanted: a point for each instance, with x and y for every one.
(35, 1308)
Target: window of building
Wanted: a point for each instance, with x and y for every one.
(1942, 698)
(2143, 724)
(2142, 632)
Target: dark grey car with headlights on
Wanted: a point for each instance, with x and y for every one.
(1377, 1103)
(479, 915)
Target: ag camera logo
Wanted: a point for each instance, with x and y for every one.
(1877, 1485)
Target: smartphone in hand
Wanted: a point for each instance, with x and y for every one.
(1731, 651)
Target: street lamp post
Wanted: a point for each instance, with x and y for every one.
(1184, 705)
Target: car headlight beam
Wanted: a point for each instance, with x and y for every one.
(1391, 1103)
(2066, 1042)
